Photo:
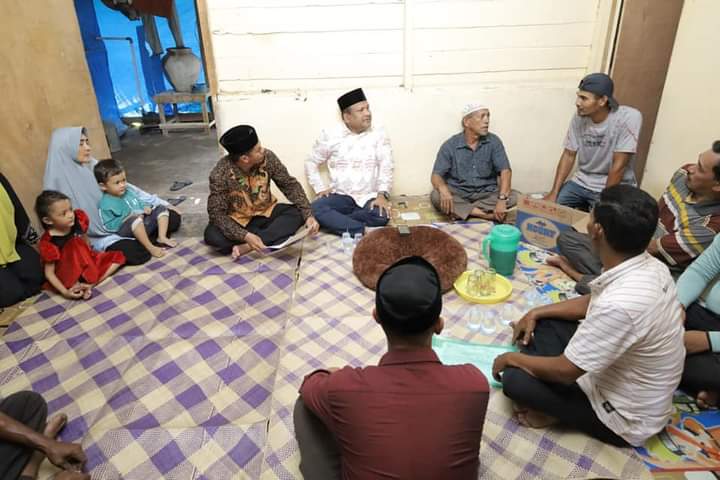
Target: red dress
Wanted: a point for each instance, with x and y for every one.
(73, 257)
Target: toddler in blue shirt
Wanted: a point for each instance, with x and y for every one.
(122, 211)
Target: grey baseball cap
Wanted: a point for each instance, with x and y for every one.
(600, 84)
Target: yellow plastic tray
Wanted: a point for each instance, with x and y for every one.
(503, 289)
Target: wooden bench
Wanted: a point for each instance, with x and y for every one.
(173, 98)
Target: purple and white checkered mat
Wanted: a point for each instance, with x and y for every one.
(188, 367)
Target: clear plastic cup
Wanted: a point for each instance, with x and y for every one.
(356, 238)
(474, 318)
(535, 298)
(508, 314)
(488, 322)
(482, 320)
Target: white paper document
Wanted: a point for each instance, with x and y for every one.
(299, 235)
(410, 216)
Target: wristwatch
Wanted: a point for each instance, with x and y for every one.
(385, 194)
(502, 196)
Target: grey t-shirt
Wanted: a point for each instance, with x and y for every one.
(596, 143)
(468, 172)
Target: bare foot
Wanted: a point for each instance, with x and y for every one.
(86, 289)
(707, 399)
(558, 261)
(157, 252)
(478, 213)
(168, 242)
(561, 262)
(54, 425)
(517, 410)
(52, 428)
(240, 250)
(534, 419)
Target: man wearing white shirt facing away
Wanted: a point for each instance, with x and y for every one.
(606, 363)
(360, 165)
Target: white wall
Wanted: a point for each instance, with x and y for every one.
(689, 117)
(281, 64)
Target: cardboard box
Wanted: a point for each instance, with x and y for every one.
(541, 222)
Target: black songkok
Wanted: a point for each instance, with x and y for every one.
(239, 140)
(408, 299)
(351, 98)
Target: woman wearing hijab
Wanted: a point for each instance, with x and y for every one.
(69, 170)
(20, 271)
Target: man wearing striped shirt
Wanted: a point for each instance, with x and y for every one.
(689, 220)
(606, 363)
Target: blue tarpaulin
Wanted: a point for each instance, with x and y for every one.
(111, 64)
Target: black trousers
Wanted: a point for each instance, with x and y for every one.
(135, 253)
(22, 279)
(567, 403)
(577, 248)
(702, 370)
(319, 452)
(30, 409)
(278, 227)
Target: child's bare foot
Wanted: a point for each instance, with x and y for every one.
(707, 399)
(157, 252)
(167, 242)
(87, 292)
(534, 419)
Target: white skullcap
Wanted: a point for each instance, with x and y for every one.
(472, 108)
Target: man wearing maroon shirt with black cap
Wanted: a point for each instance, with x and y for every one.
(409, 417)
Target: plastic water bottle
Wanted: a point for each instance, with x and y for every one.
(347, 243)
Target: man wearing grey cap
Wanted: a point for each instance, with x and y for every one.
(603, 137)
(408, 417)
(467, 168)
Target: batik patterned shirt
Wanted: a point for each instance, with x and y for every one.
(236, 197)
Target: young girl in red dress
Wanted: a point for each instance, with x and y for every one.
(71, 267)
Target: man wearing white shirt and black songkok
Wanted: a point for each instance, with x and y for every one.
(360, 165)
(606, 363)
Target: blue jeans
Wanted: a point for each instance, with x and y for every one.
(339, 213)
(576, 196)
